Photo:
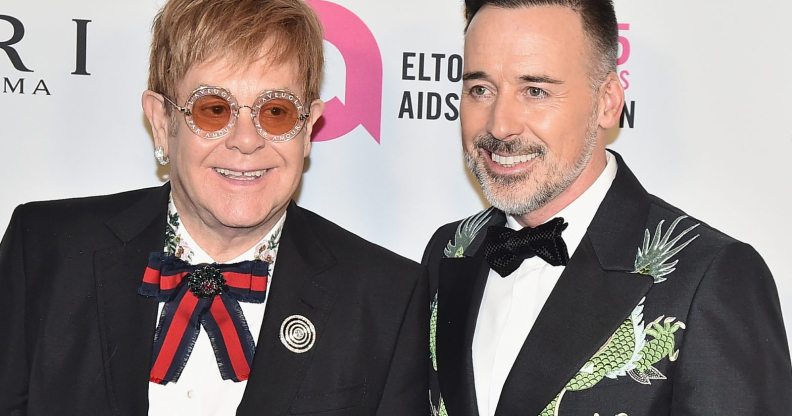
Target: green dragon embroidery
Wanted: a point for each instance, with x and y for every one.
(433, 333)
(440, 410)
(652, 255)
(627, 352)
(466, 232)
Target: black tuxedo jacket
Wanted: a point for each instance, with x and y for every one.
(722, 347)
(77, 338)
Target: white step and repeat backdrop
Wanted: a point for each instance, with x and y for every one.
(708, 89)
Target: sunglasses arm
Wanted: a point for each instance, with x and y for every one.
(183, 110)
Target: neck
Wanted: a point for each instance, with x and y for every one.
(223, 243)
(587, 177)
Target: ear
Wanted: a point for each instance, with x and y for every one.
(611, 102)
(154, 108)
(317, 107)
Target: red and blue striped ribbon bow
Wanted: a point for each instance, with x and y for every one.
(205, 295)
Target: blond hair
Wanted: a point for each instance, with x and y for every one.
(190, 32)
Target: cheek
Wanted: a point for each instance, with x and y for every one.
(293, 157)
(548, 129)
(296, 165)
(473, 122)
(563, 129)
(468, 135)
(189, 153)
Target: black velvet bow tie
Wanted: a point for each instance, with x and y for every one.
(505, 249)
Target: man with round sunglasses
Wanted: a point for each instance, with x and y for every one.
(211, 112)
(214, 294)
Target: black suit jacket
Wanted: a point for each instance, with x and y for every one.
(77, 337)
(719, 309)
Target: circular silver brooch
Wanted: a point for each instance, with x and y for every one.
(297, 334)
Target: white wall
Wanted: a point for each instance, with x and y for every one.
(710, 80)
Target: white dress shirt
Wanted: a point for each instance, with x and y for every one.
(510, 305)
(200, 391)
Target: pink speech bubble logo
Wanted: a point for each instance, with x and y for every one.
(363, 74)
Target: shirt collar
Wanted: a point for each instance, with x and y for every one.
(581, 211)
(180, 243)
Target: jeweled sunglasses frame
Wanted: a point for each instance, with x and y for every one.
(261, 99)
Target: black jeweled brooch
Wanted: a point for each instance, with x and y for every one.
(206, 281)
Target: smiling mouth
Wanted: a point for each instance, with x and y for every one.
(510, 161)
(241, 175)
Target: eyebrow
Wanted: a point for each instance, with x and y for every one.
(540, 79)
(537, 79)
(467, 76)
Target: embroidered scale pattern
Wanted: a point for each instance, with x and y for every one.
(628, 351)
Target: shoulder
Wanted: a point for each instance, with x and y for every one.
(360, 270)
(628, 198)
(83, 209)
(714, 265)
(441, 239)
(347, 246)
(709, 242)
(734, 339)
(65, 221)
(459, 238)
(442, 236)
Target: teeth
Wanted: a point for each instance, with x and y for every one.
(509, 161)
(248, 175)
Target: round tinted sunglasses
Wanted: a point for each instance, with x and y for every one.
(211, 112)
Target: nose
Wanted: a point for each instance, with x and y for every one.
(505, 120)
(244, 137)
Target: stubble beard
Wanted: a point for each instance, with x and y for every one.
(524, 193)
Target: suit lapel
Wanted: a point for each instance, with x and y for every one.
(126, 319)
(461, 287)
(586, 306)
(594, 295)
(460, 290)
(295, 290)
